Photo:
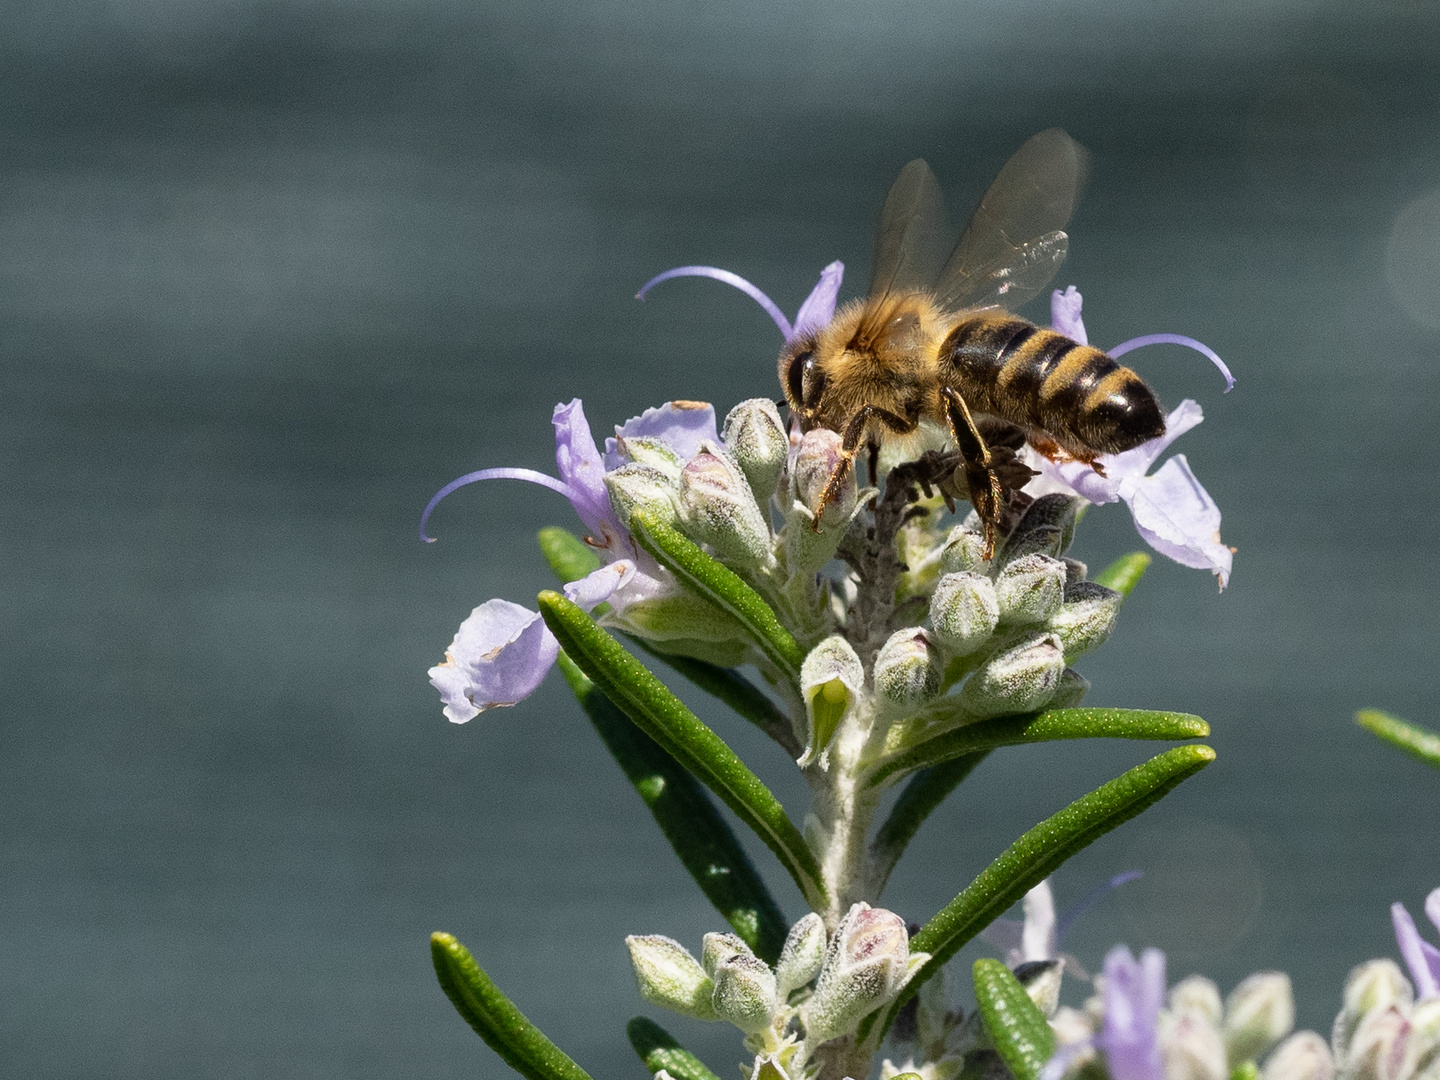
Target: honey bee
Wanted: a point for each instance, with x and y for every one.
(935, 342)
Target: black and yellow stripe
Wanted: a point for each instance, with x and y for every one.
(1041, 379)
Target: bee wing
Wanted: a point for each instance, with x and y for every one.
(911, 238)
(1014, 244)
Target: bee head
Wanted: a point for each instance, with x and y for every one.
(801, 380)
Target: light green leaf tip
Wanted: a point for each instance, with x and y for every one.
(1016, 1025)
(1415, 740)
(659, 1050)
(1124, 573)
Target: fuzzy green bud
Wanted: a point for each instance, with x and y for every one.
(802, 954)
(964, 611)
(1020, 679)
(1372, 986)
(815, 461)
(719, 509)
(963, 550)
(1377, 1049)
(670, 977)
(1423, 1048)
(1045, 540)
(756, 438)
(1191, 1048)
(867, 963)
(908, 668)
(1030, 589)
(717, 948)
(1041, 979)
(643, 487)
(1258, 1014)
(1199, 995)
(1086, 617)
(831, 681)
(648, 450)
(744, 992)
(1303, 1056)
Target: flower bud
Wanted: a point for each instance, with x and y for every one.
(1086, 617)
(815, 462)
(642, 487)
(648, 450)
(1191, 1047)
(802, 955)
(1045, 540)
(1072, 688)
(766, 1067)
(1020, 679)
(1030, 589)
(670, 977)
(1303, 1056)
(716, 948)
(964, 611)
(1372, 986)
(1423, 1047)
(1041, 979)
(831, 680)
(1258, 1014)
(744, 992)
(1199, 995)
(963, 550)
(1377, 1049)
(1058, 512)
(908, 668)
(756, 438)
(719, 509)
(867, 963)
(1075, 571)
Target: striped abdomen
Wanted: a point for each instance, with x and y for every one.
(1040, 379)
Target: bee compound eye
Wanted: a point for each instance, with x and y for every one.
(795, 376)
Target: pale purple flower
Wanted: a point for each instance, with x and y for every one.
(503, 651)
(1134, 992)
(1172, 510)
(1422, 958)
(817, 310)
(681, 425)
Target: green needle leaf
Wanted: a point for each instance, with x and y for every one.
(661, 715)
(1413, 739)
(1246, 1070)
(495, 1019)
(658, 1050)
(1124, 573)
(1048, 726)
(1022, 1036)
(721, 586)
(569, 557)
(689, 820)
(1038, 854)
(926, 790)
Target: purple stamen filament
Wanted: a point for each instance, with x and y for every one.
(492, 474)
(1177, 339)
(728, 278)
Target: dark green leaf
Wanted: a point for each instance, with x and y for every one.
(658, 1050)
(570, 558)
(1039, 853)
(685, 814)
(1017, 1026)
(1048, 726)
(926, 790)
(660, 714)
(495, 1019)
(1413, 739)
(1124, 573)
(729, 686)
(722, 587)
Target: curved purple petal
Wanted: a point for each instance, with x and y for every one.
(1177, 517)
(1432, 907)
(581, 468)
(599, 585)
(499, 656)
(529, 475)
(1422, 958)
(1065, 314)
(1176, 339)
(1134, 993)
(1091, 898)
(728, 278)
(680, 425)
(819, 307)
(1064, 1057)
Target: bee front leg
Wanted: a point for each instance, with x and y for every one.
(985, 491)
(850, 446)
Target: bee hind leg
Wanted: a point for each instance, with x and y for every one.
(986, 494)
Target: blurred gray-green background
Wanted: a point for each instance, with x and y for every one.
(272, 271)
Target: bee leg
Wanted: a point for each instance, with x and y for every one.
(985, 492)
(850, 446)
(874, 462)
